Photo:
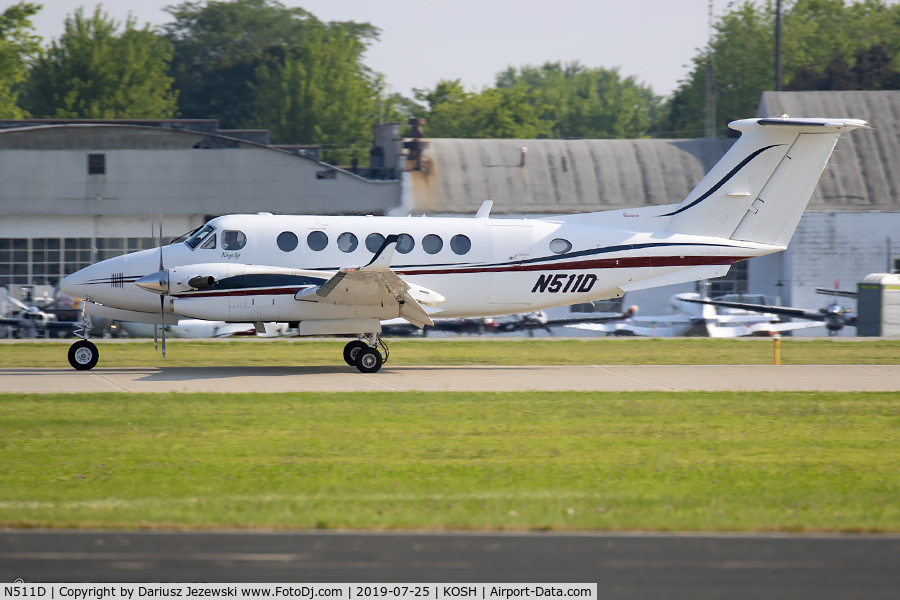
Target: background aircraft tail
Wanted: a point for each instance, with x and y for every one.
(758, 191)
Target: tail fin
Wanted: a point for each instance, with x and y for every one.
(758, 191)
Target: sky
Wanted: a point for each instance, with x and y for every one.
(425, 41)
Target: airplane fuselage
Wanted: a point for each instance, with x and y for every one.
(480, 266)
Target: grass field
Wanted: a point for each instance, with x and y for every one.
(658, 461)
(469, 351)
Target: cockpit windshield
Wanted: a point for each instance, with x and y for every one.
(197, 237)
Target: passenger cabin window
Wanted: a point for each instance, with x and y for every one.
(560, 246)
(287, 241)
(374, 242)
(210, 243)
(405, 243)
(317, 240)
(347, 242)
(233, 240)
(460, 244)
(432, 243)
(199, 236)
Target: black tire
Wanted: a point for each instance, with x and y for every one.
(351, 350)
(83, 355)
(368, 360)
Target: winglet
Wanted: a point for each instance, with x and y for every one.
(485, 209)
(382, 259)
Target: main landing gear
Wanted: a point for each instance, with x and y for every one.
(83, 355)
(364, 353)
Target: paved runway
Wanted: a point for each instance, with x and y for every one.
(864, 378)
(635, 565)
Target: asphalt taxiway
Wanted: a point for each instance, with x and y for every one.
(863, 378)
(625, 565)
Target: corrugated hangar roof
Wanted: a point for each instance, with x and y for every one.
(864, 171)
(559, 176)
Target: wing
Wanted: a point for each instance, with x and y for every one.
(841, 293)
(801, 313)
(671, 328)
(604, 319)
(40, 324)
(375, 284)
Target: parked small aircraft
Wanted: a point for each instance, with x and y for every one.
(257, 268)
(528, 322)
(27, 321)
(688, 319)
(834, 316)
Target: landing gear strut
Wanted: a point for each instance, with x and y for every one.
(367, 353)
(83, 354)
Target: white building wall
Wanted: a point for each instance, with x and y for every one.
(183, 181)
(828, 246)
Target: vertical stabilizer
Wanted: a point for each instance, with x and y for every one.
(760, 188)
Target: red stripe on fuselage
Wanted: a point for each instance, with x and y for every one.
(632, 262)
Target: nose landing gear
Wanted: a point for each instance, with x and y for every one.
(364, 353)
(83, 354)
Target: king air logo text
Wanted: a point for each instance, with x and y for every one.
(562, 283)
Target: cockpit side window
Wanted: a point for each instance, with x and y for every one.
(210, 243)
(196, 238)
(233, 240)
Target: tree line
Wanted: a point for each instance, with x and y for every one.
(259, 64)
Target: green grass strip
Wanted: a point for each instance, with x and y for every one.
(563, 461)
(469, 351)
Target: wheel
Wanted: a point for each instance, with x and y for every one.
(83, 355)
(351, 350)
(368, 360)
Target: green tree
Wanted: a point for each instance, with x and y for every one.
(233, 59)
(17, 47)
(577, 101)
(822, 41)
(552, 100)
(95, 72)
(512, 112)
(321, 93)
(873, 69)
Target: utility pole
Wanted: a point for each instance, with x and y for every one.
(778, 45)
(710, 79)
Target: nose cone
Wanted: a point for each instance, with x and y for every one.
(75, 285)
(157, 282)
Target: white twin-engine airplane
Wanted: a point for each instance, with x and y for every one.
(263, 268)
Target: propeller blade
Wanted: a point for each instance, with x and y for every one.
(152, 235)
(160, 242)
(162, 297)
(162, 300)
